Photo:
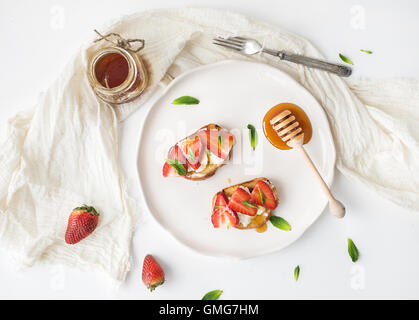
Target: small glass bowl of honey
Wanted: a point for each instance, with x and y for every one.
(300, 116)
(117, 75)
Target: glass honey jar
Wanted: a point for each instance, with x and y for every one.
(117, 74)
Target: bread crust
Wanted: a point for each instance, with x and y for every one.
(259, 220)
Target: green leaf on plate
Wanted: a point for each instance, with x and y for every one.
(296, 273)
(345, 59)
(213, 295)
(250, 204)
(253, 136)
(366, 51)
(186, 100)
(175, 164)
(353, 251)
(280, 223)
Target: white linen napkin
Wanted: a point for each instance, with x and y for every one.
(64, 151)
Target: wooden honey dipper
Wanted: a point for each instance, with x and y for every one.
(289, 130)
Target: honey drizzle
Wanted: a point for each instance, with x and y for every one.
(262, 228)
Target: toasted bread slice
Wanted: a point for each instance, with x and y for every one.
(211, 168)
(258, 220)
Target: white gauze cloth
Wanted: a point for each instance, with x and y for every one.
(64, 151)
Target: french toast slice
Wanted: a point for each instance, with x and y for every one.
(211, 168)
(256, 221)
(206, 134)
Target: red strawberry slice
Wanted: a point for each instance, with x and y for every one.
(153, 274)
(218, 142)
(222, 215)
(241, 202)
(177, 155)
(220, 200)
(262, 195)
(192, 148)
(81, 223)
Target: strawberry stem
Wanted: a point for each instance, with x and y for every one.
(87, 208)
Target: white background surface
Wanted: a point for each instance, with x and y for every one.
(39, 37)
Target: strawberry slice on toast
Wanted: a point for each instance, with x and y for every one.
(218, 142)
(222, 215)
(247, 203)
(203, 153)
(192, 148)
(174, 163)
(262, 195)
(241, 202)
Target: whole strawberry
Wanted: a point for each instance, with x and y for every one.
(82, 222)
(153, 274)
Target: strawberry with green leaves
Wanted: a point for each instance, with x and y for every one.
(153, 274)
(81, 223)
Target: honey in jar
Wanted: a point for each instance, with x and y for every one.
(300, 116)
(111, 70)
(117, 75)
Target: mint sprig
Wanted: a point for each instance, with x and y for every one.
(220, 141)
(213, 295)
(253, 136)
(262, 197)
(297, 273)
(345, 59)
(191, 155)
(186, 100)
(175, 164)
(353, 250)
(366, 51)
(280, 223)
(250, 204)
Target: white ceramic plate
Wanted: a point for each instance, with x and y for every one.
(233, 94)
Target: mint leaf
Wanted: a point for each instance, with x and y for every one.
(366, 51)
(220, 141)
(253, 136)
(353, 251)
(185, 100)
(280, 223)
(213, 295)
(345, 59)
(250, 204)
(297, 273)
(262, 197)
(175, 164)
(191, 155)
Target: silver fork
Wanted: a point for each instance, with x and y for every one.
(251, 46)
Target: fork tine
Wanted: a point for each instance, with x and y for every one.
(235, 40)
(226, 46)
(240, 39)
(232, 40)
(229, 42)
